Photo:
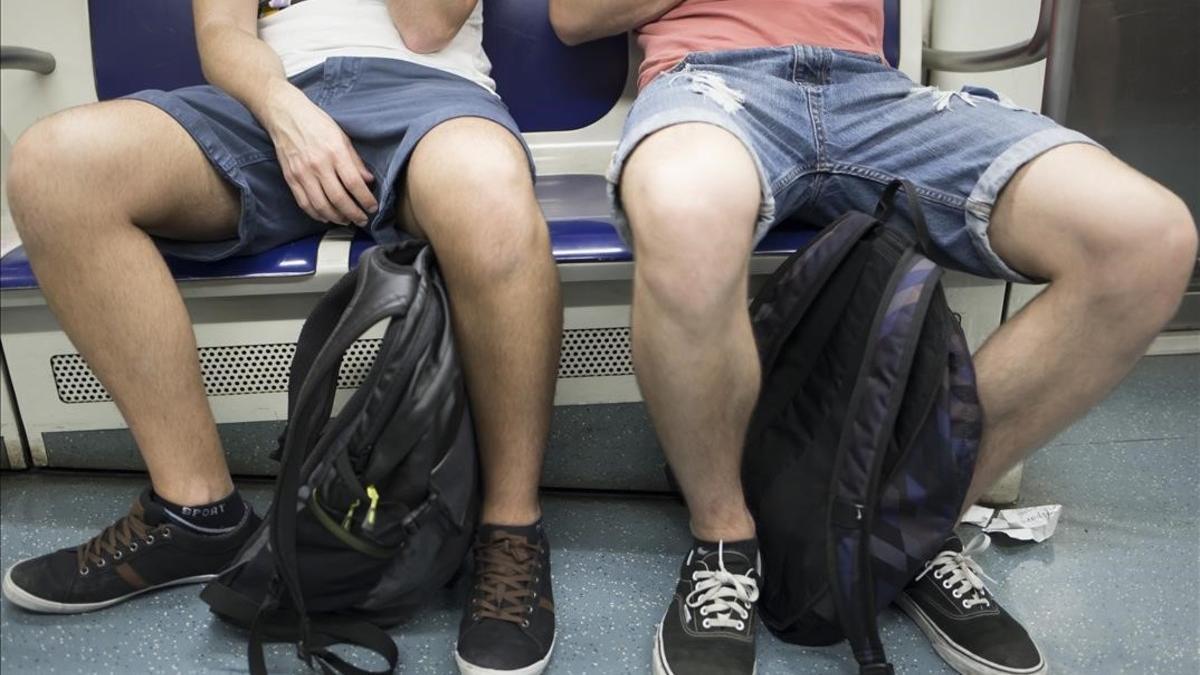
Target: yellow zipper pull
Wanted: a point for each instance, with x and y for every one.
(373, 494)
(349, 514)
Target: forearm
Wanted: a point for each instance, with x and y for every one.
(427, 26)
(577, 21)
(236, 60)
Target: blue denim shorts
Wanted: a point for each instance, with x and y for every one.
(385, 106)
(828, 129)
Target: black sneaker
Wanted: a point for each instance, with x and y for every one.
(709, 627)
(508, 625)
(141, 552)
(962, 619)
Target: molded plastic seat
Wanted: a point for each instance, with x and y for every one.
(581, 230)
(296, 259)
(139, 45)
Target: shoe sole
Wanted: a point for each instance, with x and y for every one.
(660, 666)
(467, 668)
(961, 660)
(26, 600)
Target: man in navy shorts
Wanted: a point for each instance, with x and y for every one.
(372, 113)
(754, 111)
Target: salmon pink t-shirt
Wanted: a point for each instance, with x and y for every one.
(711, 25)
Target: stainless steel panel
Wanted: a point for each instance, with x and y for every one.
(1136, 86)
(1136, 89)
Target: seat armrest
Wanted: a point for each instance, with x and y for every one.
(1052, 40)
(23, 58)
(997, 58)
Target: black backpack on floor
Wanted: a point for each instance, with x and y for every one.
(864, 438)
(374, 507)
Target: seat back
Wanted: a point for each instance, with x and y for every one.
(142, 44)
(891, 32)
(548, 86)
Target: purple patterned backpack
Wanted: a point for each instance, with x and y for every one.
(864, 439)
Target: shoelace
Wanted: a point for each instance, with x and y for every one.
(506, 578)
(720, 594)
(127, 533)
(960, 572)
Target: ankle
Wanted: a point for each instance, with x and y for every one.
(194, 494)
(215, 517)
(512, 515)
(728, 527)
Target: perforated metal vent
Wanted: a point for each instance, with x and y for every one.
(227, 371)
(595, 352)
(263, 369)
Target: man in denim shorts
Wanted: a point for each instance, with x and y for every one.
(754, 111)
(373, 113)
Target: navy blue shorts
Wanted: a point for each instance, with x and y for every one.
(385, 106)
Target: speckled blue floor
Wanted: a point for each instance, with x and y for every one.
(1116, 590)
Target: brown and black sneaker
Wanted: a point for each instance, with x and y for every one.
(508, 625)
(143, 551)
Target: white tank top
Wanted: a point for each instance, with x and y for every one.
(308, 32)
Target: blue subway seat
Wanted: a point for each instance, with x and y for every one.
(296, 259)
(581, 229)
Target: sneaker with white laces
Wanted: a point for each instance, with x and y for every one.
(968, 628)
(709, 627)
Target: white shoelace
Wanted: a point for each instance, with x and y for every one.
(720, 594)
(960, 572)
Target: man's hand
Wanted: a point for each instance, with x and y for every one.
(324, 172)
(326, 175)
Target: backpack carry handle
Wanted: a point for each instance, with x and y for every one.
(885, 211)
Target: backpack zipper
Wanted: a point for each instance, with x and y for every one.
(349, 515)
(369, 521)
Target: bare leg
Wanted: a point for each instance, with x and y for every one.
(85, 186)
(1118, 250)
(692, 195)
(469, 191)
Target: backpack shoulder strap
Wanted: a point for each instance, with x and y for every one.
(791, 290)
(874, 404)
(379, 288)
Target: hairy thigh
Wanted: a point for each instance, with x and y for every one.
(1077, 207)
(465, 173)
(131, 156)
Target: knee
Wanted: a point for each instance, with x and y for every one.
(692, 235)
(50, 166)
(692, 251)
(36, 157)
(1140, 259)
(707, 189)
(480, 210)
